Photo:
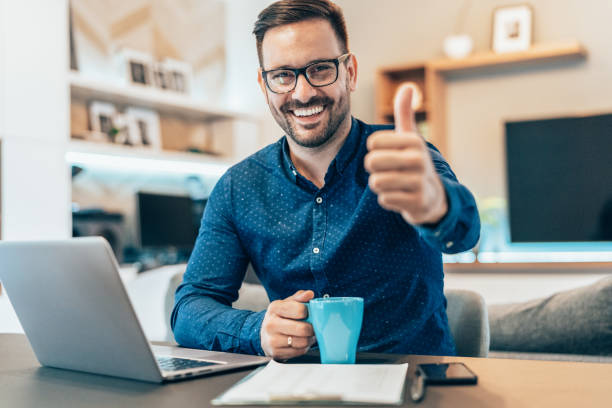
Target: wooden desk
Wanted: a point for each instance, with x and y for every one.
(501, 383)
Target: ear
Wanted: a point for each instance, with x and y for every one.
(351, 69)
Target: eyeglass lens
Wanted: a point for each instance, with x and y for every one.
(319, 74)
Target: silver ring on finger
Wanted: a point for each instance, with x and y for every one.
(289, 341)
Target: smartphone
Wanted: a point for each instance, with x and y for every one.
(447, 374)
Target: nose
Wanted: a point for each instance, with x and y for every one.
(303, 91)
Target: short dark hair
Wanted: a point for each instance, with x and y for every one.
(292, 11)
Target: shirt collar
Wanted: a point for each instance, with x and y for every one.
(340, 162)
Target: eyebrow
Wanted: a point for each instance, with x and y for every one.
(309, 63)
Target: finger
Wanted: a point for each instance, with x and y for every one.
(395, 181)
(387, 139)
(280, 341)
(399, 200)
(388, 160)
(402, 109)
(302, 296)
(291, 327)
(287, 353)
(289, 309)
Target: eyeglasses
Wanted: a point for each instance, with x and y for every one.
(318, 74)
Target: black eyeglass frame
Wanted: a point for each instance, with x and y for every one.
(302, 71)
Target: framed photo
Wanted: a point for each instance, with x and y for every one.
(101, 118)
(143, 127)
(137, 66)
(178, 74)
(160, 76)
(512, 28)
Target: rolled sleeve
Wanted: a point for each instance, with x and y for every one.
(202, 315)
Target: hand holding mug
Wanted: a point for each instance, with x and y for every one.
(402, 173)
(283, 334)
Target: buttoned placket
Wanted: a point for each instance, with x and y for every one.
(319, 229)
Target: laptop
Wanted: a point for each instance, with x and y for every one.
(76, 313)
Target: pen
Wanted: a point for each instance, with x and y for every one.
(417, 390)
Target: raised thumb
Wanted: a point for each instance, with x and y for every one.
(402, 109)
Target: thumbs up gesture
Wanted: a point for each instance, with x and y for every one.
(402, 173)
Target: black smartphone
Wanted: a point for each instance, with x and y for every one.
(447, 374)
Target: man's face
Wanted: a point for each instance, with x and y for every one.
(309, 115)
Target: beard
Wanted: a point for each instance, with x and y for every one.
(336, 113)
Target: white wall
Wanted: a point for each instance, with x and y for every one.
(242, 91)
(35, 109)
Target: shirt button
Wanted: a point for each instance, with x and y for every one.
(449, 244)
(294, 172)
(319, 200)
(315, 250)
(437, 233)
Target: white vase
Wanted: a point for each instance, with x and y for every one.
(458, 45)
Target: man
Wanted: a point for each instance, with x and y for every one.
(336, 207)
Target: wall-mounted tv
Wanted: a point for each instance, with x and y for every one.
(559, 179)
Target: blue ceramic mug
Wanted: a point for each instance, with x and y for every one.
(337, 324)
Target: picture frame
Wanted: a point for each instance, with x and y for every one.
(179, 75)
(144, 128)
(101, 119)
(137, 66)
(512, 28)
(161, 77)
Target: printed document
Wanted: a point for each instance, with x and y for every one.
(295, 383)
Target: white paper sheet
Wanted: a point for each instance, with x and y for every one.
(361, 383)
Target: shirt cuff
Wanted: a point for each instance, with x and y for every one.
(440, 232)
(250, 341)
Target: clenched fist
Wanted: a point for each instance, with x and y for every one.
(402, 173)
(283, 335)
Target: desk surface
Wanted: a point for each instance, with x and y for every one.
(501, 383)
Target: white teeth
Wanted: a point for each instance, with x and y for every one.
(308, 112)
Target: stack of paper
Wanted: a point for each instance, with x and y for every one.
(294, 383)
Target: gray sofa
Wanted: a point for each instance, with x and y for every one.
(571, 325)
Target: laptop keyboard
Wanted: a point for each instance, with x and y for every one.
(176, 364)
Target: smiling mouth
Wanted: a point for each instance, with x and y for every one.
(308, 115)
(300, 113)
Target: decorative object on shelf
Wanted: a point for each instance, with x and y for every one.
(101, 117)
(512, 28)
(160, 76)
(137, 66)
(458, 46)
(142, 69)
(179, 74)
(143, 127)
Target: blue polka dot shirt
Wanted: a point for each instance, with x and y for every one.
(336, 240)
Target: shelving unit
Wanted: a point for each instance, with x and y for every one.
(163, 101)
(430, 76)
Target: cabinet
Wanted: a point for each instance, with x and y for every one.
(430, 77)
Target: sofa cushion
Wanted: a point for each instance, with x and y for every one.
(578, 321)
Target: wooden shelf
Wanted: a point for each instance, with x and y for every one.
(160, 100)
(537, 53)
(431, 77)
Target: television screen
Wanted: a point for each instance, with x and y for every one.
(559, 174)
(167, 220)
